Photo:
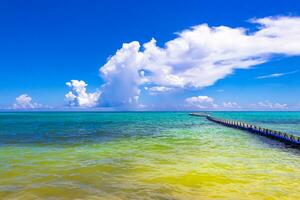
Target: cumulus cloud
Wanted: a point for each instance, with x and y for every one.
(232, 105)
(267, 105)
(205, 102)
(275, 75)
(78, 95)
(209, 103)
(200, 102)
(196, 58)
(123, 77)
(25, 102)
(199, 99)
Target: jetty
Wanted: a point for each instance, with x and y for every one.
(273, 134)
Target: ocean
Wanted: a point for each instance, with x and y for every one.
(145, 155)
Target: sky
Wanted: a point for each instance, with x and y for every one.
(150, 55)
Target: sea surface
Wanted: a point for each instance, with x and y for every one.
(145, 155)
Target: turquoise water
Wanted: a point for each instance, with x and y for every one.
(281, 121)
(159, 155)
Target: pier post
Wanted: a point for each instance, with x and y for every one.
(277, 135)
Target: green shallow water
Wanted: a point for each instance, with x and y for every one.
(144, 156)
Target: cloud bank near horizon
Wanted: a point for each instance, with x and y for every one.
(24, 102)
(208, 103)
(198, 57)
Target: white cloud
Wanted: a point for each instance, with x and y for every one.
(197, 58)
(209, 103)
(206, 102)
(200, 102)
(275, 75)
(158, 89)
(25, 102)
(229, 104)
(267, 105)
(199, 99)
(78, 95)
(123, 77)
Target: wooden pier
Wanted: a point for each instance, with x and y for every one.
(277, 135)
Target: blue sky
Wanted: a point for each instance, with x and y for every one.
(45, 44)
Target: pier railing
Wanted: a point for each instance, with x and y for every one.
(277, 135)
